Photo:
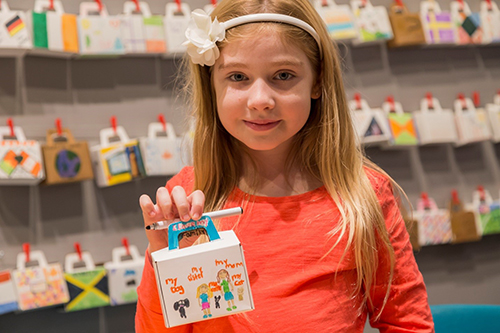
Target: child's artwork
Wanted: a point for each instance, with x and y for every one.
(338, 18)
(203, 281)
(176, 23)
(87, 289)
(437, 24)
(467, 24)
(403, 129)
(490, 22)
(13, 28)
(8, 299)
(372, 21)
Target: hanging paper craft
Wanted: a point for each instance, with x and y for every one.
(20, 159)
(434, 226)
(371, 124)
(66, 160)
(472, 123)
(99, 34)
(39, 286)
(490, 22)
(372, 22)
(8, 299)
(193, 281)
(13, 28)
(467, 24)
(435, 125)
(463, 222)
(118, 162)
(160, 153)
(437, 24)
(488, 211)
(407, 27)
(403, 130)
(52, 28)
(176, 22)
(87, 285)
(339, 19)
(493, 110)
(124, 274)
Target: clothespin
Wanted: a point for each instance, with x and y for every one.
(10, 123)
(425, 200)
(161, 119)
(324, 3)
(363, 4)
(357, 98)
(461, 97)
(214, 3)
(430, 101)
(78, 250)
(26, 250)
(125, 244)
(113, 123)
(476, 99)
(400, 3)
(390, 100)
(51, 5)
(99, 3)
(58, 126)
(482, 194)
(454, 197)
(179, 7)
(490, 6)
(137, 6)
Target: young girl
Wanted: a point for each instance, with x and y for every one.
(227, 288)
(204, 294)
(325, 244)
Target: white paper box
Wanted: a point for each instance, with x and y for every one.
(436, 125)
(160, 153)
(190, 279)
(371, 124)
(472, 123)
(372, 22)
(8, 298)
(124, 275)
(14, 31)
(339, 19)
(494, 116)
(490, 22)
(176, 24)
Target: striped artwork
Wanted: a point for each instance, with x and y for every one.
(15, 25)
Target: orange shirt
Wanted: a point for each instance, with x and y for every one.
(294, 289)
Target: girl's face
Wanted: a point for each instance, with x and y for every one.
(203, 288)
(222, 274)
(263, 90)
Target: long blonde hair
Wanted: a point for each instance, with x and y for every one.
(338, 162)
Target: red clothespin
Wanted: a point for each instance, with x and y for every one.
(99, 3)
(214, 3)
(476, 99)
(179, 7)
(482, 194)
(125, 244)
(425, 200)
(78, 250)
(430, 101)
(113, 123)
(490, 7)
(454, 197)
(363, 3)
(161, 119)
(357, 98)
(58, 126)
(26, 250)
(51, 5)
(10, 123)
(400, 3)
(390, 100)
(324, 3)
(461, 97)
(137, 6)
(498, 92)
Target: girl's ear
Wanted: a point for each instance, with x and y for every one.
(316, 91)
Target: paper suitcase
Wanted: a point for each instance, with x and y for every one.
(175, 24)
(401, 124)
(472, 123)
(39, 286)
(493, 110)
(124, 274)
(434, 226)
(406, 26)
(466, 23)
(87, 285)
(490, 22)
(339, 19)
(160, 153)
(435, 124)
(20, 159)
(204, 281)
(8, 297)
(438, 27)
(118, 162)
(463, 222)
(14, 32)
(372, 22)
(371, 124)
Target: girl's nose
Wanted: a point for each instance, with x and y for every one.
(260, 96)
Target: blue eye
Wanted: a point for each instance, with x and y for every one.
(284, 76)
(237, 77)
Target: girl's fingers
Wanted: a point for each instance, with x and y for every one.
(164, 203)
(180, 201)
(148, 209)
(197, 202)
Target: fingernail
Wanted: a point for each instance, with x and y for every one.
(196, 216)
(186, 217)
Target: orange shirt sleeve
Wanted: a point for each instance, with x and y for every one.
(407, 308)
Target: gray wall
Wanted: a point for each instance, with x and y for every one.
(84, 93)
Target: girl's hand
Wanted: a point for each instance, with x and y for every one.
(170, 206)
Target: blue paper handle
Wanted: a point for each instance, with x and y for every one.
(175, 229)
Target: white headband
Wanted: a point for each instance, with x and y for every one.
(202, 34)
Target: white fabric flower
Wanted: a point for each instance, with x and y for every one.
(202, 35)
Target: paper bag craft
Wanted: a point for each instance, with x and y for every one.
(52, 28)
(87, 285)
(463, 222)
(490, 22)
(41, 285)
(372, 21)
(339, 19)
(466, 23)
(176, 22)
(406, 26)
(487, 210)
(204, 281)
(472, 123)
(434, 226)
(160, 153)
(435, 125)
(8, 297)
(98, 33)
(20, 159)
(438, 27)
(371, 124)
(118, 162)
(493, 110)
(124, 274)
(14, 33)
(66, 160)
(401, 124)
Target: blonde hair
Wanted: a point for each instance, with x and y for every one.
(339, 162)
(209, 291)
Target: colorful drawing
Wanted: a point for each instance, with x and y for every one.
(440, 28)
(241, 291)
(224, 280)
(9, 162)
(67, 164)
(204, 294)
(15, 25)
(217, 300)
(403, 129)
(180, 306)
(87, 289)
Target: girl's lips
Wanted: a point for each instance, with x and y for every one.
(262, 125)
